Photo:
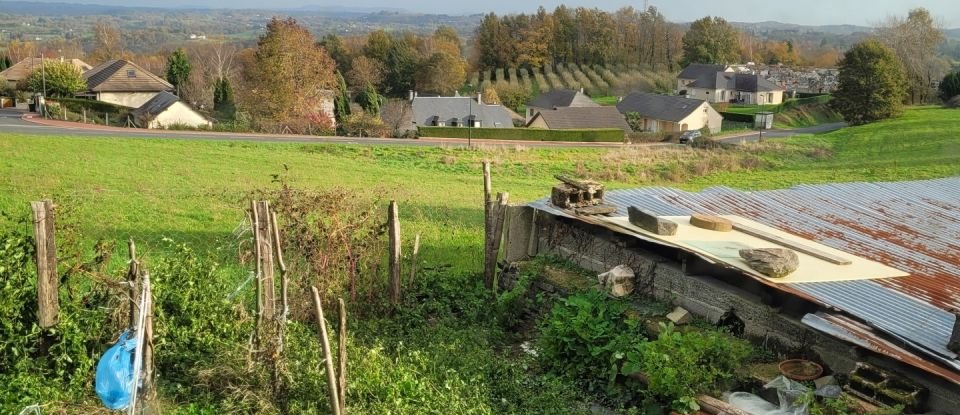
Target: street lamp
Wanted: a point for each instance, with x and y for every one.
(470, 123)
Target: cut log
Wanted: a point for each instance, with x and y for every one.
(713, 223)
(652, 223)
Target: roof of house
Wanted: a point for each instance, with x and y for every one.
(558, 98)
(911, 226)
(156, 105)
(569, 118)
(121, 75)
(23, 69)
(660, 107)
(446, 109)
(700, 70)
(735, 81)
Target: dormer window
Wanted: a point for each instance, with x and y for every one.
(131, 73)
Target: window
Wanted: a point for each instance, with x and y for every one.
(131, 73)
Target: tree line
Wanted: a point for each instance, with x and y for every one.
(579, 35)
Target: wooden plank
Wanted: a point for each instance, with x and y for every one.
(497, 214)
(393, 222)
(413, 259)
(769, 237)
(328, 357)
(584, 185)
(284, 282)
(133, 279)
(48, 282)
(342, 357)
(715, 406)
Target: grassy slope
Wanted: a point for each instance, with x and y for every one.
(195, 191)
(806, 116)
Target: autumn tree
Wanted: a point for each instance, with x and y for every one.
(61, 79)
(287, 77)
(178, 69)
(378, 45)
(365, 71)
(949, 86)
(19, 50)
(915, 40)
(442, 73)
(711, 40)
(107, 42)
(871, 84)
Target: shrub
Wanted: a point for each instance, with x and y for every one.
(583, 337)
(679, 365)
(610, 135)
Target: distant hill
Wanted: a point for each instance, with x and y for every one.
(770, 26)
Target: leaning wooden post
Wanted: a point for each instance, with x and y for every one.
(133, 279)
(281, 313)
(48, 283)
(413, 259)
(393, 221)
(254, 225)
(497, 212)
(328, 358)
(342, 357)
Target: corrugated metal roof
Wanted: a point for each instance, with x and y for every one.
(911, 226)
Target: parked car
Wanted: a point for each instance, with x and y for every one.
(690, 136)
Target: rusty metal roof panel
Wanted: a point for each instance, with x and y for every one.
(912, 226)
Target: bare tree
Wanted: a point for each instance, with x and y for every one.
(107, 42)
(915, 40)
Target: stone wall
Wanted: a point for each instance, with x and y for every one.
(771, 317)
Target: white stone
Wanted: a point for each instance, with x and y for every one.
(680, 316)
(618, 281)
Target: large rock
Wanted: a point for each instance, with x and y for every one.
(772, 262)
(649, 222)
(680, 316)
(618, 281)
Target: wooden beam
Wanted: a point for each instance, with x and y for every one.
(328, 357)
(342, 357)
(495, 221)
(393, 222)
(265, 243)
(48, 282)
(769, 237)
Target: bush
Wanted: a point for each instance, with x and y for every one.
(607, 135)
(737, 117)
(954, 102)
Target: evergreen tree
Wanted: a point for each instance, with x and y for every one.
(950, 86)
(223, 98)
(871, 85)
(5, 62)
(341, 106)
(178, 69)
(370, 100)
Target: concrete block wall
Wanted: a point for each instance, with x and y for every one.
(670, 277)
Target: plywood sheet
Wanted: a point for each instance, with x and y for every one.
(724, 247)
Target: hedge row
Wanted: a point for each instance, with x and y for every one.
(737, 117)
(607, 135)
(77, 104)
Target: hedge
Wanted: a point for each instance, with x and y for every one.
(607, 135)
(737, 117)
(76, 104)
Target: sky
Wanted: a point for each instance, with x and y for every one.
(806, 12)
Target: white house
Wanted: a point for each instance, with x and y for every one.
(721, 84)
(662, 113)
(165, 110)
(695, 71)
(22, 70)
(122, 82)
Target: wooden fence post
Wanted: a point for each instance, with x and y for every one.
(48, 282)
(342, 357)
(133, 279)
(393, 221)
(495, 216)
(413, 259)
(328, 358)
(265, 243)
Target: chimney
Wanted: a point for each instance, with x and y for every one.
(954, 343)
(480, 98)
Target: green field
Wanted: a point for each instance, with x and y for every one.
(441, 353)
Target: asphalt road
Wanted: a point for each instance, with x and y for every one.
(755, 136)
(11, 122)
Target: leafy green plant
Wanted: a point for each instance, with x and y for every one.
(679, 365)
(584, 337)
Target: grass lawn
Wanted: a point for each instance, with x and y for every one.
(195, 191)
(441, 353)
(609, 100)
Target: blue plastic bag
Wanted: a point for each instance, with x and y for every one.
(114, 382)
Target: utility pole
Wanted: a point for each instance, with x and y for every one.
(470, 123)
